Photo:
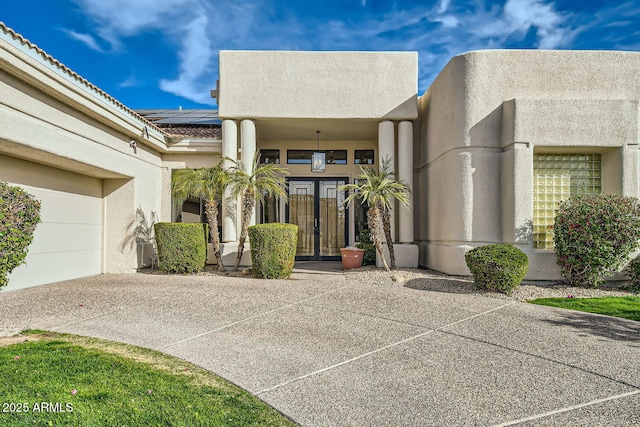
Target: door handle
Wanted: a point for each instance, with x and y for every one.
(315, 222)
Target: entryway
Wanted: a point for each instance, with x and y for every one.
(316, 206)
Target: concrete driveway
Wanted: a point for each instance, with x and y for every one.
(328, 352)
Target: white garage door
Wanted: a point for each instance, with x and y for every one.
(68, 242)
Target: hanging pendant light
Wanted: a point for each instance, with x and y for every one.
(318, 160)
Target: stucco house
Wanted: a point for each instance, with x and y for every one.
(489, 149)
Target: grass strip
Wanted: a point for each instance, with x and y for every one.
(624, 307)
(59, 379)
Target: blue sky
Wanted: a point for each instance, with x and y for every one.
(164, 53)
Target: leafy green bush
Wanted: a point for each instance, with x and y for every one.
(182, 247)
(273, 250)
(19, 216)
(594, 235)
(633, 271)
(497, 267)
(368, 246)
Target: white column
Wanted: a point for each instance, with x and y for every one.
(229, 203)
(386, 149)
(248, 151)
(405, 173)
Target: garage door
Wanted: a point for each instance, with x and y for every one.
(68, 242)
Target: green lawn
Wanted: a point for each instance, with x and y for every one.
(56, 379)
(625, 307)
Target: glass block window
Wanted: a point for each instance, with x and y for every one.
(557, 177)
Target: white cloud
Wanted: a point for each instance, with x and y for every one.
(86, 39)
(518, 17)
(443, 5)
(521, 15)
(199, 28)
(117, 19)
(182, 22)
(131, 81)
(195, 57)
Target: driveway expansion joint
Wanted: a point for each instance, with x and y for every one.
(255, 316)
(377, 350)
(539, 357)
(568, 409)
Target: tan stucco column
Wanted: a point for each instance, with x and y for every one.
(516, 179)
(229, 203)
(630, 169)
(248, 151)
(386, 149)
(405, 173)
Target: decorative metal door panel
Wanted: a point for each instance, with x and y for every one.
(332, 218)
(315, 205)
(302, 213)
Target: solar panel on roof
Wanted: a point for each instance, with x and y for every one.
(197, 116)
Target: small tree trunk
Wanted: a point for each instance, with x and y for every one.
(211, 209)
(373, 219)
(386, 225)
(248, 205)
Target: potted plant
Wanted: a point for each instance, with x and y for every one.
(352, 257)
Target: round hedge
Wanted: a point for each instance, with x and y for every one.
(497, 267)
(182, 247)
(594, 234)
(273, 250)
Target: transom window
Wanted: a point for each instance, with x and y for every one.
(556, 177)
(303, 157)
(363, 157)
(269, 157)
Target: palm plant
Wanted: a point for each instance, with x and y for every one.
(260, 181)
(379, 189)
(207, 184)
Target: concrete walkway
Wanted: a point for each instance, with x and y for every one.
(327, 352)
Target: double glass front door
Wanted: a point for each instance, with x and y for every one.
(315, 206)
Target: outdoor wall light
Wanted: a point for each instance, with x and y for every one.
(133, 144)
(318, 160)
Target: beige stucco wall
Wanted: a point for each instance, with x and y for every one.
(482, 120)
(319, 85)
(48, 119)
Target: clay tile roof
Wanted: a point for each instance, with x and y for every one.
(81, 80)
(189, 123)
(193, 131)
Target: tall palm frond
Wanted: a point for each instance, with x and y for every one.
(379, 189)
(260, 181)
(207, 184)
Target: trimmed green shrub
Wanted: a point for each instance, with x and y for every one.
(368, 246)
(497, 267)
(594, 235)
(19, 216)
(273, 250)
(182, 247)
(633, 271)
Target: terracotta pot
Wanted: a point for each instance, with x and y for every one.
(352, 258)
